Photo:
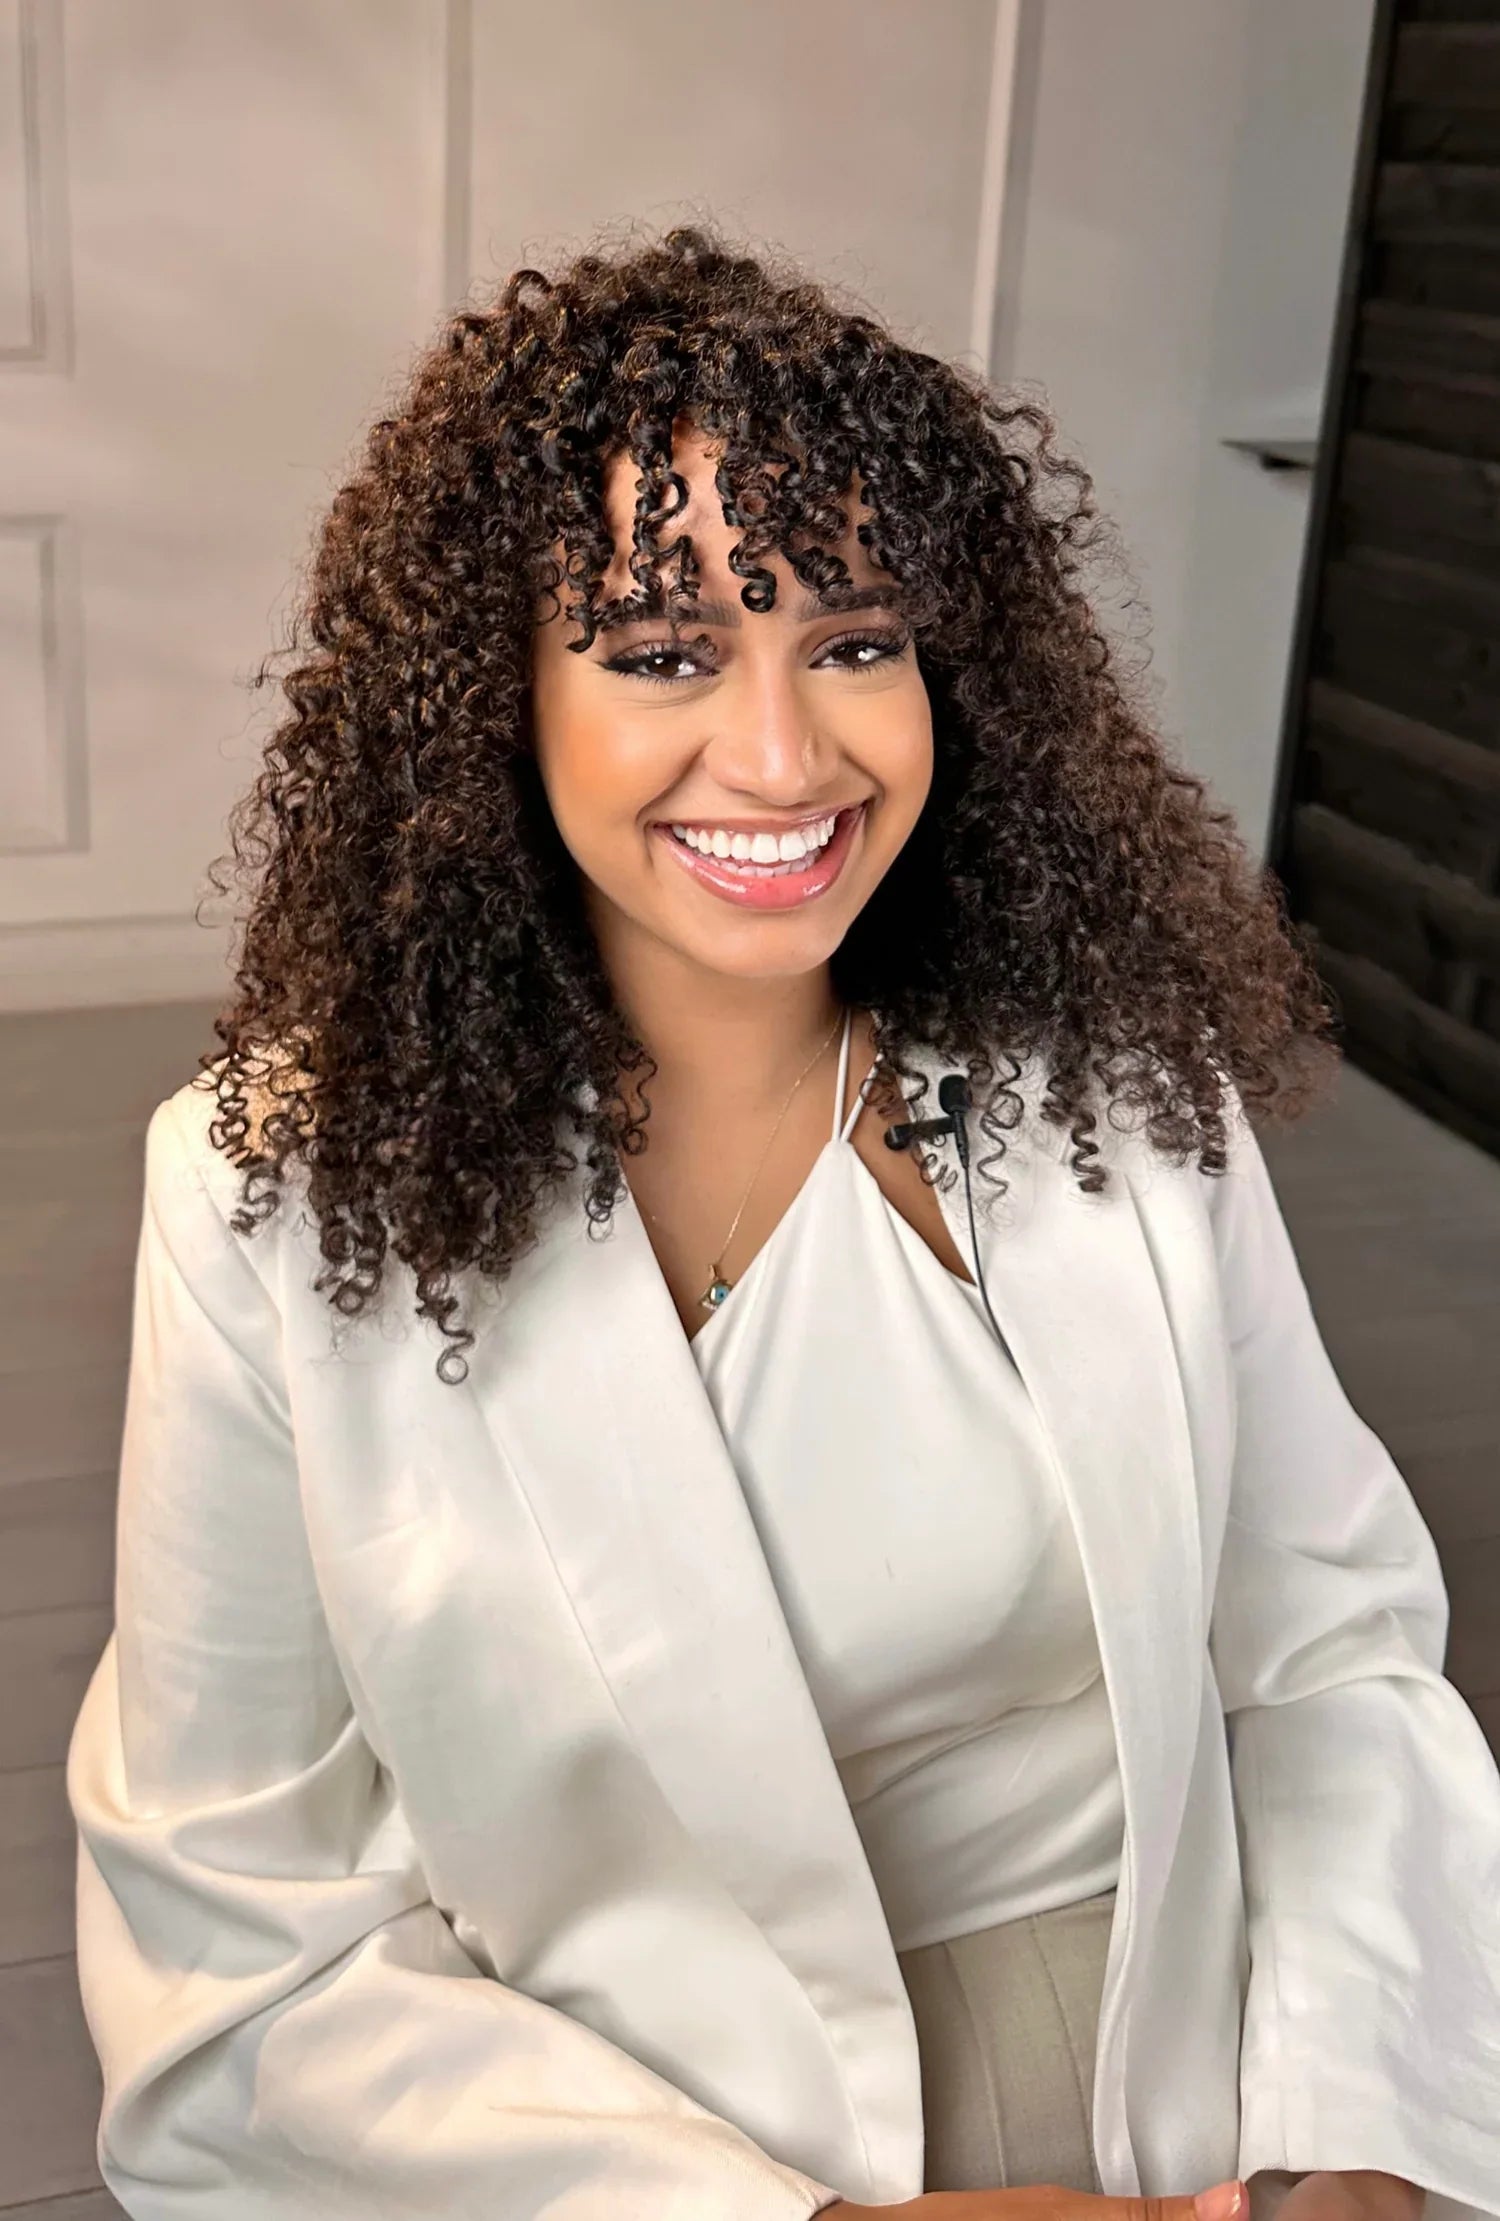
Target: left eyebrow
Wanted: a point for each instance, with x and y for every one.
(682, 607)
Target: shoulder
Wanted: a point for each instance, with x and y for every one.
(180, 1154)
(1234, 1205)
(1230, 1218)
(1118, 1142)
(193, 1186)
(181, 1138)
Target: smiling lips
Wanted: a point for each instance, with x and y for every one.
(762, 871)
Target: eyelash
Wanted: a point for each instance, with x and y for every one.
(629, 662)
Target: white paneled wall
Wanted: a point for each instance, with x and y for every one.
(250, 198)
(853, 132)
(249, 216)
(225, 230)
(1169, 274)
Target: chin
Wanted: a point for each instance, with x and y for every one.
(762, 955)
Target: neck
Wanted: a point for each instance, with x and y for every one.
(714, 1036)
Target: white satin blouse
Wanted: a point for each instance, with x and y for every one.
(945, 1631)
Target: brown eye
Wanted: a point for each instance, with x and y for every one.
(887, 646)
(645, 662)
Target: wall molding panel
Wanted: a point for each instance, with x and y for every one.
(86, 963)
(43, 757)
(36, 309)
(458, 151)
(997, 182)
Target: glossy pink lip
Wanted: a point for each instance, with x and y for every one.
(788, 890)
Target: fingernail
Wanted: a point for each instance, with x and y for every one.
(1225, 2202)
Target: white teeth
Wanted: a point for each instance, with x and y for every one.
(758, 848)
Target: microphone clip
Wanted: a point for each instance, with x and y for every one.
(953, 1094)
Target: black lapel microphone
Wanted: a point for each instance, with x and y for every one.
(953, 1094)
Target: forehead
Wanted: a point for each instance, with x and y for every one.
(701, 519)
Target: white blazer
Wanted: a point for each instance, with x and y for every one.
(458, 1838)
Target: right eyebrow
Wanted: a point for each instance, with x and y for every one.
(679, 609)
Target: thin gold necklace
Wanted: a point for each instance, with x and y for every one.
(718, 1286)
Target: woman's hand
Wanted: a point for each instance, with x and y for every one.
(1352, 2194)
(1050, 2201)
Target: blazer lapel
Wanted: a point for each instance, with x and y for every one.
(602, 1411)
(600, 1407)
(1074, 1287)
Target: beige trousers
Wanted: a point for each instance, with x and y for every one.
(1007, 2023)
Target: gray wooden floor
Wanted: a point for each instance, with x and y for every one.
(1397, 1224)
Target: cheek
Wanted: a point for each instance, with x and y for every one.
(574, 757)
(899, 749)
(621, 770)
(601, 776)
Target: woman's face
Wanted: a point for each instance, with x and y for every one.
(793, 733)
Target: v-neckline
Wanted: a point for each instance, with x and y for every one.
(841, 1136)
(835, 1141)
(901, 1227)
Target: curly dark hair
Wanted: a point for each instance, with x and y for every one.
(419, 1013)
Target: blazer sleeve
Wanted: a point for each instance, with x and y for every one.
(1367, 1800)
(287, 2025)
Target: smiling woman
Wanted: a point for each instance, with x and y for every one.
(832, 1707)
(732, 788)
(776, 762)
(666, 554)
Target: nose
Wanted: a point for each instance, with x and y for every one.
(767, 739)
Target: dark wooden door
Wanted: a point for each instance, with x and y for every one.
(1386, 827)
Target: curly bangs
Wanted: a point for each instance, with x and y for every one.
(420, 1027)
